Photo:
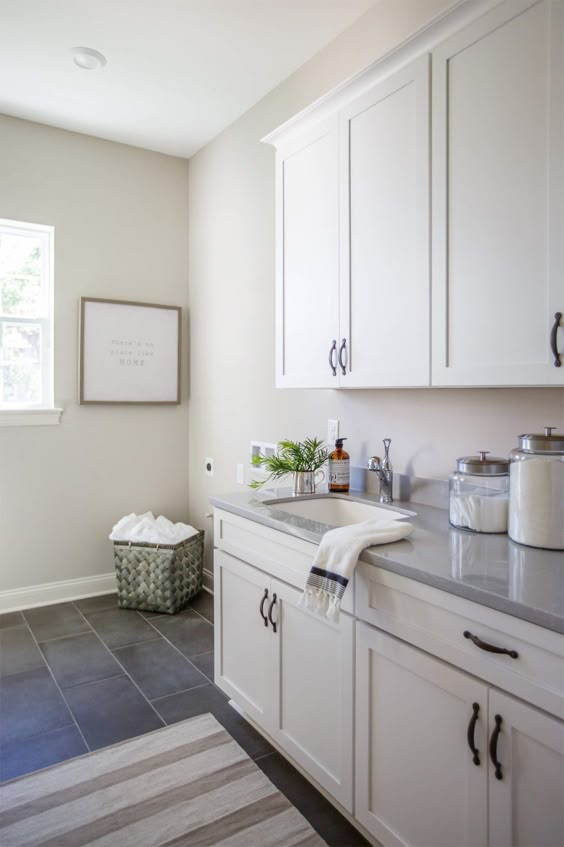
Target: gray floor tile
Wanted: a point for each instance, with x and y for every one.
(159, 669)
(121, 627)
(189, 632)
(55, 621)
(205, 663)
(203, 604)
(97, 604)
(79, 659)
(32, 754)
(31, 704)
(11, 619)
(18, 651)
(208, 698)
(110, 711)
(329, 823)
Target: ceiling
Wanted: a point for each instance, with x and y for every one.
(177, 73)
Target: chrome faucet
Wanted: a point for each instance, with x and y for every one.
(383, 467)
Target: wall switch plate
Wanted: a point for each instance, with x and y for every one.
(209, 467)
(240, 474)
(332, 432)
(261, 448)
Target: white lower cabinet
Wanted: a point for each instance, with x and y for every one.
(293, 676)
(417, 781)
(527, 803)
(394, 712)
(243, 644)
(314, 693)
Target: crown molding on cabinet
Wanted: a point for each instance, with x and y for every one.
(439, 28)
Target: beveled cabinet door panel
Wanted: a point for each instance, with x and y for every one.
(307, 259)
(498, 194)
(416, 781)
(385, 287)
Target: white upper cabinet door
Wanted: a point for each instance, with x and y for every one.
(314, 709)
(498, 194)
(385, 287)
(307, 259)
(526, 805)
(417, 783)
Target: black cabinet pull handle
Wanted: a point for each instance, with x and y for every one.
(270, 608)
(490, 648)
(333, 350)
(554, 340)
(342, 353)
(470, 733)
(261, 607)
(493, 747)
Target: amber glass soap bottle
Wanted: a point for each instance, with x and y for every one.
(339, 468)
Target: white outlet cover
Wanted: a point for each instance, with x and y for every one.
(332, 432)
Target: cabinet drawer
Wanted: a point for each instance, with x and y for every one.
(279, 554)
(436, 621)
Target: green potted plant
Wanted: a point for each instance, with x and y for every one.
(303, 459)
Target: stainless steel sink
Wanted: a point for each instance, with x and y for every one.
(338, 511)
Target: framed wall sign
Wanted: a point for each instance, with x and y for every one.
(129, 352)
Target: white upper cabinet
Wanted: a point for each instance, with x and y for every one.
(498, 192)
(384, 291)
(307, 260)
(420, 212)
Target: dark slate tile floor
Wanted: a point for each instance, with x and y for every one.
(79, 676)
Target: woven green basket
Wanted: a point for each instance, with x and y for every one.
(159, 577)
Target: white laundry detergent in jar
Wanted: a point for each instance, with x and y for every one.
(536, 491)
(478, 494)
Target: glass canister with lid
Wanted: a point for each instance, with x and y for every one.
(536, 490)
(479, 493)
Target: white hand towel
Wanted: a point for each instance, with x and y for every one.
(336, 560)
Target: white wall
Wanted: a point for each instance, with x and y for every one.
(233, 399)
(121, 223)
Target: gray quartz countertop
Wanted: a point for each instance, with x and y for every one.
(489, 569)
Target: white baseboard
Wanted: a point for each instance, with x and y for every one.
(56, 592)
(208, 580)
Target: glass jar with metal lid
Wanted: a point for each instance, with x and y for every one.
(478, 493)
(536, 490)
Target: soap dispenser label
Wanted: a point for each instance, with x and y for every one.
(339, 472)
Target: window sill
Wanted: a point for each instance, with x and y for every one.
(30, 417)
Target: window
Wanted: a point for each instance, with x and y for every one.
(26, 316)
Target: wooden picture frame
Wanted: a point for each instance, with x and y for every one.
(129, 352)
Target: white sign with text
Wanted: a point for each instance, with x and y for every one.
(129, 352)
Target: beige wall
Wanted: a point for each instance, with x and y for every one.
(121, 222)
(233, 399)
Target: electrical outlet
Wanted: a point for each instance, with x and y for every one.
(240, 474)
(209, 467)
(332, 432)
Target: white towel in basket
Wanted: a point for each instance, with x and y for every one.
(147, 529)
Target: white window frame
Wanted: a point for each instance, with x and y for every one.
(44, 412)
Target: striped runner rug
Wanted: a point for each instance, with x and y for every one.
(187, 784)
